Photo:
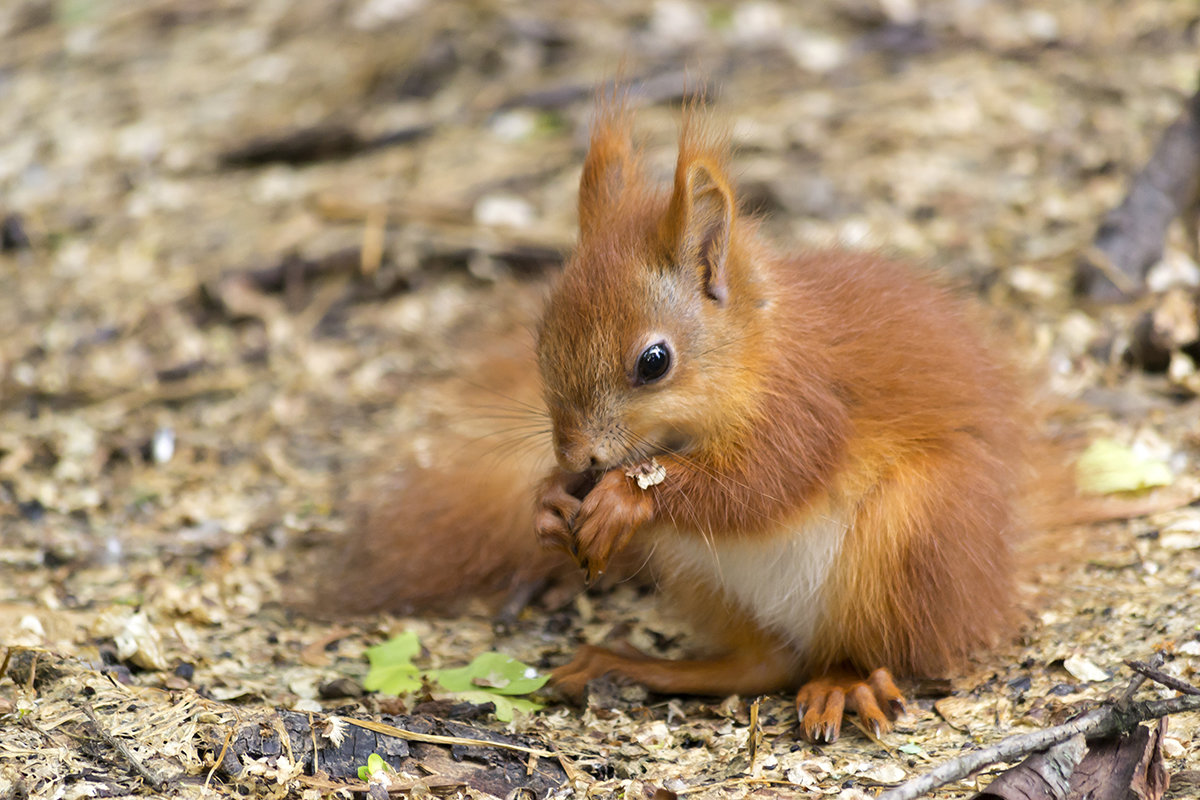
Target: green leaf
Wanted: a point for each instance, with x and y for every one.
(1107, 467)
(494, 678)
(505, 705)
(375, 766)
(392, 670)
(494, 673)
(490, 678)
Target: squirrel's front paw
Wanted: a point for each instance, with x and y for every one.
(558, 505)
(607, 519)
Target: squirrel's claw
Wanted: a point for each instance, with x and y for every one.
(557, 509)
(821, 704)
(609, 516)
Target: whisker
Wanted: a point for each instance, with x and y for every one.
(642, 447)
(524, 427)
(525, 404)
(723, 481)
(723, 345)
(512, 415)
(645, 563)
(518, 441)
(513, 406)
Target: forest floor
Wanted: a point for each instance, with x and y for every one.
(245, 245)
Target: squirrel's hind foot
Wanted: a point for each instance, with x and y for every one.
(821, 703)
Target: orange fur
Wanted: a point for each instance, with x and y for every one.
(433, 537)
(843, 455)
(806, 392)
(455, 523)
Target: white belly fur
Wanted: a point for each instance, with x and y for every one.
(777, 579)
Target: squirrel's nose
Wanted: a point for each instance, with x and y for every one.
(576, 458)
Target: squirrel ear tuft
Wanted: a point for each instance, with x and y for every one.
(701, 223)
(609, 167)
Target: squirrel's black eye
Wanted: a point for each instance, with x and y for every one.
(653, 363)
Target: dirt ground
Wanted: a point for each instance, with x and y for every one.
(206, 341)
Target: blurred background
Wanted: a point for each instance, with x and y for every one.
(244, 245)
(238, 238)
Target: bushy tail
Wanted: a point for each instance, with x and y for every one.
(430, 538)
(453, 520)
(1068, 528)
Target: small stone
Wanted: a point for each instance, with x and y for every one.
(1179, 540)
(1084, 670)
(340, 687)
(886, 773)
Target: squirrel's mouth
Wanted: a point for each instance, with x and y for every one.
(642, 459)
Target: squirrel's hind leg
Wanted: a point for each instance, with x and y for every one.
(822, 701)
(740, 672)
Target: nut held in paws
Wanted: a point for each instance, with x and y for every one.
(647, 474)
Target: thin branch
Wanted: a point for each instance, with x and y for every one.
(1136, 682)
(119, 746)
(1158, 676)
(1100, 722)
(1131, 237)
(413, 736)
(221, 756)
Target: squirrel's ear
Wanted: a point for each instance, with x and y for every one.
(608, 168)
(701, 223)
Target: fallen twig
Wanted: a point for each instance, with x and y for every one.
(1100, 722)
(432, 783)
(221, 756)
(119, 746)
(320, 142)
(1131, 236)
(1152, 672)
(413, 736)
(1137, 680)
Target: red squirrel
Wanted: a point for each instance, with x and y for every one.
(828, 456)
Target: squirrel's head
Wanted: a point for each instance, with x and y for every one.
(646, 345)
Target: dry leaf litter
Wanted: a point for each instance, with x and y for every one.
(181, 416)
